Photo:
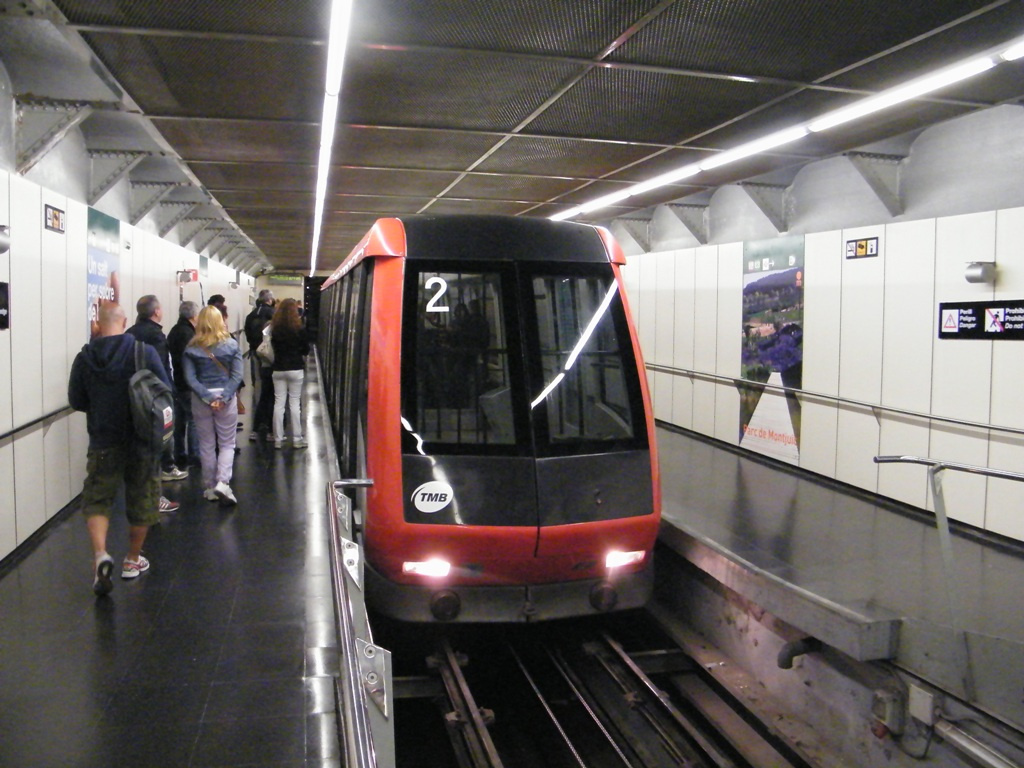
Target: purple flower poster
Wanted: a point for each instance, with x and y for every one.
(772, 348)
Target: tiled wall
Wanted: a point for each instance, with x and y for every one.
(42, 468)
(870, 337)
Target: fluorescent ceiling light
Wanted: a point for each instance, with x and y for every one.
(341, 14)
(891, 97)
(1013, 53)
(754, 147)
(903, 93)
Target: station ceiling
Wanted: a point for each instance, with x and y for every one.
(521, 107)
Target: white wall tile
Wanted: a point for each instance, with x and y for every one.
(705, 346)
(26, 301)
(664, 306)
(6, 412)
(823, 259)
(860, 360)
(56, 452)
(8, 520)
(645, 316)
(30, 482)
(962, 369)
(910, 313)
(53, 309)
(1005, 507)
(78, 447)
(730, 325)
(684, 337)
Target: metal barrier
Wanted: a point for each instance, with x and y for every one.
(935, 469)
(364, 685)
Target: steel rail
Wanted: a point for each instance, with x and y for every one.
(357, 742)
(738, 382)
(709, 748)
(470, 720)
(547, 709)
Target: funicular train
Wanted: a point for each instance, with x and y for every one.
(484, 372)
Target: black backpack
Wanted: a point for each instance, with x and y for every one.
(152, 404)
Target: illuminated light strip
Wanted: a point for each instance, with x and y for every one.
(903, 93)
(753, 147)
(893, 96)
(341, 15)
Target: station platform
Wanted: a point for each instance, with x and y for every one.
(862, 574)
(223, 654)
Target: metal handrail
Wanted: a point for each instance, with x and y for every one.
(935, 468)
(32, 423)
(365, 668)
(738, 382)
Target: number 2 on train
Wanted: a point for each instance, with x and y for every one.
(442, 286)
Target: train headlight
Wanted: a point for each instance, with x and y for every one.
(435, 568)
(617, 558)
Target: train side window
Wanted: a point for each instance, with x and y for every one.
(460, 377)
(581, 359)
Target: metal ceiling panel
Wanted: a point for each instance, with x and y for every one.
(631, 105)
(801, 40)
(441, 150)
(252, 141)
(384, 181)
(298, 18)
(568, 158)
(581, 28)
(446, 89)
(250, 176)
(522, 189)
(240, 87)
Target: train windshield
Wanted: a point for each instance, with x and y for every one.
(580, 358)
(517, 358)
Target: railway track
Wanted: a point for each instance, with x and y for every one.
(615, 693)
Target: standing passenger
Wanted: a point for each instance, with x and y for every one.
(288, 337)
(186, 444)
(262, 374)
(147, 329)
(213, 370)
(98, 385)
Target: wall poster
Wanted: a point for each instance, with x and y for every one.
(773, 315)
(102, 264)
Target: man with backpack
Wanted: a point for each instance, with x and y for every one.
(255, 322)
(99, 385)
(147, 328)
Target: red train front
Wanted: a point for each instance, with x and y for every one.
(484, 372)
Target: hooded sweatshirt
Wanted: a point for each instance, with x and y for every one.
(99, 386)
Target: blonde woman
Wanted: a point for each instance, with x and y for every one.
(213, 369)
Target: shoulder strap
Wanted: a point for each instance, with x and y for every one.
(140, 356)
(214, 358)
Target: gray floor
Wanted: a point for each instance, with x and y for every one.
(223, 654)
(852, 553)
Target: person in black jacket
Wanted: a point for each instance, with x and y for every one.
(255, 321)
(147, 328)
(291, 345)
(98, 385)
(186, 444)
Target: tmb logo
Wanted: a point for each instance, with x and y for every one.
(432, 497)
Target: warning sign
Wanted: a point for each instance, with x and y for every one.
(982, 320)
(864, 248)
